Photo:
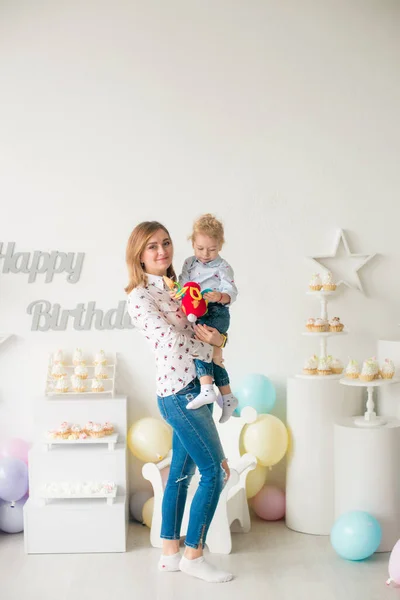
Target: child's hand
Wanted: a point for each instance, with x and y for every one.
(213, 296)
(172, 294)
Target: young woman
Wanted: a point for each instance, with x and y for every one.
(176, 343)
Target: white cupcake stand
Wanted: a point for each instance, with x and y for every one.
(314, 404)
(388, 401)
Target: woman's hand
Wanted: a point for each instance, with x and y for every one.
(207, 334)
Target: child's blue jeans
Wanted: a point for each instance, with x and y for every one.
(217, 316)
(195, 441)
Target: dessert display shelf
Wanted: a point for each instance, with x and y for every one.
(48, 495)
(370, 418)
(110, 440)
(106, 384)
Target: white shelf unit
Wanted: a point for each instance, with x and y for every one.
(75, 524)
(370, 418)
(109, 383)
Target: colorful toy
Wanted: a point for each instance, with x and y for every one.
(194, 305)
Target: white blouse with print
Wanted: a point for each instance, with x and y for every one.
(169, 333)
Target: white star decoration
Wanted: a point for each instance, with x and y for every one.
(343, 264)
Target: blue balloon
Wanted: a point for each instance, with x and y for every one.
(257, 391)
(356, 535)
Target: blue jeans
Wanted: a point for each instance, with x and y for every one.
(217, 316)
(195, 441)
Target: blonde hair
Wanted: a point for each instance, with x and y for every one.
(134, 249)
(208, 225)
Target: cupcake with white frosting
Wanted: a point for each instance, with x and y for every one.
(320, 325)
(78, 384)
(100, 358)
(62, 385)
(77, 358)
(97, 431)
(58, 357)
(310, 324)
(81, 371)
(335, 325)
(336, 366)
(315, 284)
(387, 369)
(311, 365)
(88, 427)
(108, 428)
(101, 371)
(328, 284)
(324, 367)
(64, 430)
(97, 385)
(368, 370)
(58, 370)
(375, 364)
(352, 369)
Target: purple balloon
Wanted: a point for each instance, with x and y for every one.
(12, 516)
(13, 479)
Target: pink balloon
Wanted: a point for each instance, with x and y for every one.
(394, 564)
(15, 448)
(269, 504)
(164, 476)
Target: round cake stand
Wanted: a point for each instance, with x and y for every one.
(370, 418)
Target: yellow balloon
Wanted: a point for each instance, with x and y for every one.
(148, 508)
(266, 438)
(150, 439)
(255, 480)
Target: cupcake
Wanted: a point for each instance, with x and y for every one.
(108, 428)
(83, 436)
(77, 358)
(81, 371)
(387, 369)
(97, 385)
(97, 431)
(375, 365)
(368, 370)
(76, 429)
(58, 371)
(101, 372)
(324, 367)
(61, 385)
(352, 369)
(73, 436)
(88, 427)
(335, 325)
(58, 357)
(320, 325)
(64, 430)
(52, 434)
(328, 284)
(78, 384)
(310, 324)
(100, 358)
(311, 365)
(315, 283)
(336, 366)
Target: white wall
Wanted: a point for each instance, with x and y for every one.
(281, 118)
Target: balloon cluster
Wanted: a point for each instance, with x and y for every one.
(267, 439)
(13, 484)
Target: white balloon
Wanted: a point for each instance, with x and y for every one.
(12, 516)
(136, 503)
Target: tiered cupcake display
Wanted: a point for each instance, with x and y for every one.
(324, 365)
(371, 375)
(78, 376)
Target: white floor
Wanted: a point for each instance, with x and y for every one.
(270, 563)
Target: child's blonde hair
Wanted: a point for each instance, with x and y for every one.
(208, 225)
